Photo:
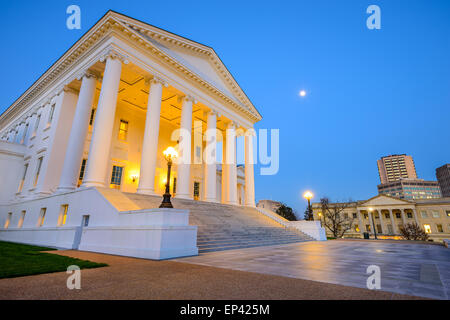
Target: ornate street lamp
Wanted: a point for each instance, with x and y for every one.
(373, 222)
(308, 196)
(320, 218)
(170, 154)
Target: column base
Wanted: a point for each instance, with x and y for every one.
(147, 192)
(63, 189)
(234, 203)
(211, 200)
(183, 196)
(88, 184)
(251, 205)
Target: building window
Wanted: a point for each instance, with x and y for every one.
(85, 222)
(8, 221)
(448, 213)
(63, 215)
(36, 125)
(368, 227)
(356, 228)
(24, 134)
(38, 171)
(123, 130)
(387, 215)
(439, 228)
(91, 119)
(42, 217)
(22, 218)
(366, 216)
(424, 214)
(116, 177)
(355, 216)
(409, 214)
(23, 178)
(345, 215)
(398, 215)
(196, 190)
(50, 116)
(435, 214)
(82, 169)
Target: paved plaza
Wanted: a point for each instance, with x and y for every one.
(411, 269)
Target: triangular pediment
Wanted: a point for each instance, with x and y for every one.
(381, 200)
(198, 58)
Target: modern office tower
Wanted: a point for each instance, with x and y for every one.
(410, 189)
(393, 167)
(443, 177)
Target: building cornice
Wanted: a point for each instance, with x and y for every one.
(111, 22)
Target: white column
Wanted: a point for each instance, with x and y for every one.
(98, 158)
(383, 226)
(249, 172)
(151, 135)
(231, 164)
(78, 132)
(185, 146)
(402, 212)
(224, 169)
(361, 223)
(394, 226)
(210, 157)
(415, 217)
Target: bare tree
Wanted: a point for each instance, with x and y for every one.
(412, 231)
(333, 217)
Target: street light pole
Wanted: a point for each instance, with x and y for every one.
(308, 196)
(374, 225)
(170, 154)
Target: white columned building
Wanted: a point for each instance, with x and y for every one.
(84, 144)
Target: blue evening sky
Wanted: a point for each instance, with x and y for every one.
(370, 92)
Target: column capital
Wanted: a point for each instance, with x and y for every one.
(89, 74)
(212, 112)
(113, 54)
(156, 79)
(187, 98)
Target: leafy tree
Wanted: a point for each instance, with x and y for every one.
(412, 231)
(333, 217)
(286, 212)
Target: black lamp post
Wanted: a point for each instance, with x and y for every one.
(308, 196)
(170, 154)
(374, 225)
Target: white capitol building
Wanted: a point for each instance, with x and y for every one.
(81, 151)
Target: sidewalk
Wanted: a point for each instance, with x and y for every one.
(130, 278)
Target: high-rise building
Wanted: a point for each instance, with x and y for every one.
(394, 167)
(443, 177)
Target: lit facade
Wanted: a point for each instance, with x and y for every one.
(389, 213)
(410, 189)
(100, 118)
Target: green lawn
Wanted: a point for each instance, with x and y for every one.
(17, 260)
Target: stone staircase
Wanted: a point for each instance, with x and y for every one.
(220, 226)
